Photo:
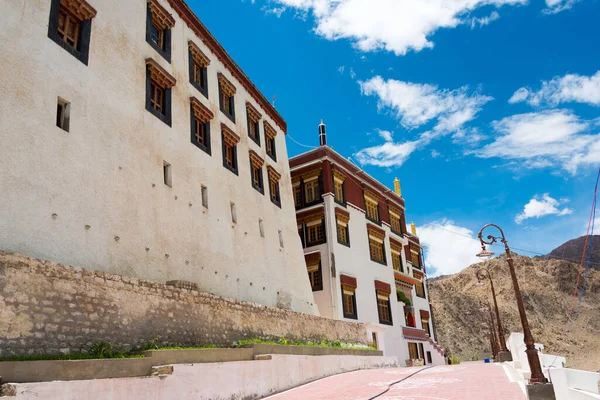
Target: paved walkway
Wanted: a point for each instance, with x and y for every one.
(467, 381)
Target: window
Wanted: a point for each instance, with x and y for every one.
(167, 174)
(374, 342)
(421, 351)
(383, 309)
(204, 192)
(63, 114)
(253, 118)
(158, 28)
(342, 228)
(396, 222)
(425, 325)
(261, 228)
(274, 178)
(280, 239)
(70, 26)
(256, 174)
(315, 274)
(297, 195)
(226, 97)
(230, 141)
(349, 297)
(338, 187)
(233, 213)
(200, 128)
(158, 91)
(412, 351)
(372, 209)
(315, 234)
(429, 358)
(312, 230)
(420, 289)
(311, 191)
(198, 68)
(415, 258)
(376, 246)
(396, 249)
(270, 134)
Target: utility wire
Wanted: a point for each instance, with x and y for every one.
(298, 143)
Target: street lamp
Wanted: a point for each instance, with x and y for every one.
(532, 355)
(493, 338)
(482, 273)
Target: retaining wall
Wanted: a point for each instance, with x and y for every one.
(48, 308)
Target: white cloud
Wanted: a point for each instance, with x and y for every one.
(435, 154)
(386, 135)
(415, 104)
(449, 248)
(554, 137)
(390, 25)
(341, 69)
(569, 88)
(389, 154)
(541, 206)
(556, 6)
(479, 22)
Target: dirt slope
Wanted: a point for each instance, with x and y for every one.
(547, 288)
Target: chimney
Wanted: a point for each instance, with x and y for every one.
(413, 229)
(322, 134)
(397, 189)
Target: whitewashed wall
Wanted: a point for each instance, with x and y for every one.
(102, 172)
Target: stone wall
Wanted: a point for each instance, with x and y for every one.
(51, 308)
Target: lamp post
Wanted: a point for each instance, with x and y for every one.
(532, 355)
(482, 273)
(485, 307)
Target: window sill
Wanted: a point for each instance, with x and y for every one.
(277, 203)
(315, 243)
(202, 147)
(349, 316)
(273, 156)
(379, 262)
(70, 49)
(317, 289)
(160, 51)
(306, 205)
(373, 221)
(258, 189)
(386, 323)
(344, 243)
(199, 88)
(231, 117)
(160, 116)
(341, 203)
(255, 140)
(234, 170)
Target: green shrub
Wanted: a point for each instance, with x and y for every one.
(455, 360)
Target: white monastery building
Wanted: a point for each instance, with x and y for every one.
(132, 143)
(362, 264)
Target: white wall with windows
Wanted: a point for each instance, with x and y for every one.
(96, 196)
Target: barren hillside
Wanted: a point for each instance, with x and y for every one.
(547, 288)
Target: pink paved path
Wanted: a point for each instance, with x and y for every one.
(467, 381)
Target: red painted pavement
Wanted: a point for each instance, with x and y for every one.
(467, 381)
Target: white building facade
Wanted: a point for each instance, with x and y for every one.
(132, 143)
(358, 254)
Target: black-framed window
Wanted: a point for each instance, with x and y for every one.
(256, 176)
(71, 29)
(200, 131)
(377, 251)
(413, 351)
(420, 289)
(253, 129)
(274, 191)
(227, 99)
(372, 212)
(339, 192)
(343, 233)
(158, 32)
(198, 73)
(384, 309)
(349, 303)
(270, 146)
(229, 154)
(158, 98)
(308, 193)
(315, 275)
(396, 223)
(312, 235)
(421, 351)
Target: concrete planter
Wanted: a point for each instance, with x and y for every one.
(309, 350)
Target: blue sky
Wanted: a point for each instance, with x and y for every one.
(487, 110)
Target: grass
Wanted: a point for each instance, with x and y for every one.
(104, 350)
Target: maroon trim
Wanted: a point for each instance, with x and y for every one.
(375, 228)
(384, 287)
(414, 333)
(312, 257)
(342, 212)
(188, 16)
(327, 177)
(303, 171)
(305, 214)
(424, 314)
(348, 281)
(395, 242)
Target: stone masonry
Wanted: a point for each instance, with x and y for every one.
(48, 308)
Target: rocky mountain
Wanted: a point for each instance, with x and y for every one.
(547, 287)
(573, 249)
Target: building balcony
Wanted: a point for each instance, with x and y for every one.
(411, 333)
